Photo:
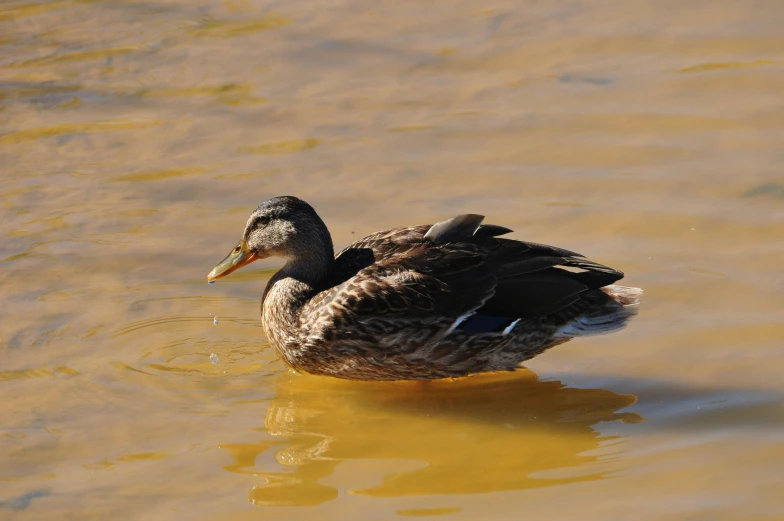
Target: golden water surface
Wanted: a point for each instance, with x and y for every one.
(136, 136)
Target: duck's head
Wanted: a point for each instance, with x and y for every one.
(283, 226)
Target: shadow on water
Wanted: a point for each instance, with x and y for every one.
(446, 437)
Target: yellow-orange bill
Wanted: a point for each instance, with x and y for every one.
(239, 257)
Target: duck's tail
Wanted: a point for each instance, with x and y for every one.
(623, 304)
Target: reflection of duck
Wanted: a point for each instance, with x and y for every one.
(477, 435)
(422, 302)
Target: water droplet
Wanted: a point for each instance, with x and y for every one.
(210, 282)
(215, 321)
(214, 360)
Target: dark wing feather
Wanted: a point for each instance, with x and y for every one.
(491, 230)
(456, 229)
(531, 281)
(594, 275)
(534, 294)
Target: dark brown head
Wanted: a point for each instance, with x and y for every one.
(285, 227)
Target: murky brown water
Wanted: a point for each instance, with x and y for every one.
(135, 138)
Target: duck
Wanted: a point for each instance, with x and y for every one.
(423, 302)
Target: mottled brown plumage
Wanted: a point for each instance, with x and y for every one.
(421, 302)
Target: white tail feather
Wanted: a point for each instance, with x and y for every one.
(611, 317)
(626, 295)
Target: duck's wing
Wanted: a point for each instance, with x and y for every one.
(445, 273)
(414, 271)
(414, 284)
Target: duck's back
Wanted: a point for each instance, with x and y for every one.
(451, 299)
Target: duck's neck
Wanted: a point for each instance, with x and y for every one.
(290, 289)
(312, 271)
(311, 259)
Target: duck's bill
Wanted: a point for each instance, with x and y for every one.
(239, 257)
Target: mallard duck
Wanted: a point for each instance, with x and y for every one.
(421, 302)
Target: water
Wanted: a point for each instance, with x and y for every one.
(135, 139)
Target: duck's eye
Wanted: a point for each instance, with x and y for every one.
(263, 220)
